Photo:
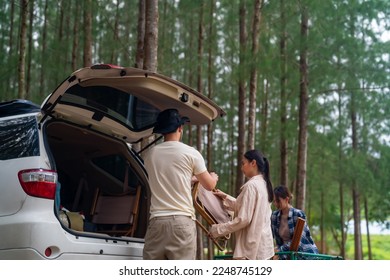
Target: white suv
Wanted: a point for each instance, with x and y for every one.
(71, 185)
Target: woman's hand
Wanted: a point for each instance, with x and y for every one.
(276, 257)
(212, 231)
(194, 180)
(220, 194)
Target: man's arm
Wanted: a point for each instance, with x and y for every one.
(207, 180)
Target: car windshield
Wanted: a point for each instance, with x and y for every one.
(110, 102)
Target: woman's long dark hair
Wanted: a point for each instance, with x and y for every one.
(263, 166)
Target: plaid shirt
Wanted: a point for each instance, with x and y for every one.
(306, 245)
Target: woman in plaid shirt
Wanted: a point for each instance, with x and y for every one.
(283, 223)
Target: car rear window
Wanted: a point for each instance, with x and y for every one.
(19, 138)
(124, 107)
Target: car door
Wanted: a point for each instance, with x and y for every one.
(125, 102)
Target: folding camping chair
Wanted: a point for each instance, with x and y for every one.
(211, 208)
(116, 215)
(296, 239)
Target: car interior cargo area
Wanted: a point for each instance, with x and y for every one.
(100, 188)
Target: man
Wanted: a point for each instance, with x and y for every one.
(171, 165)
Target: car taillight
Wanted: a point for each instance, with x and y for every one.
(39, 182)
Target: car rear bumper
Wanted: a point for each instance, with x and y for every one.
(36, 237)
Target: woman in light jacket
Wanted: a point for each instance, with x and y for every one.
(252, 211)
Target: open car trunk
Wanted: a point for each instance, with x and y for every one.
(102, 183)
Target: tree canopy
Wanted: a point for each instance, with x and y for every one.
(347, 45)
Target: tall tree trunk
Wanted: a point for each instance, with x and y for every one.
(114, 52)
(68, 36)
(164, 29)
(140, 53)
(199, 251)
(139, 58)
(60, 20)
(10, 80)
(22, 49)
(29, 52)
(253, 75)
(87, 33)
(341, 189)
(126, 58)
(190, 74)
(368, 228)
(342, 221)
(199, 84)
(150, 44)
(264, 114)
(60, 41)
(241, 96)
(151, 35)
(210, 83)
(355, 190)
(232, 139)
(357, 219)
(352, 81)
(43, 53)
(303, 110)
(75, 44)
(283, 98)
(322, 224)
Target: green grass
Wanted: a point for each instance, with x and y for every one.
(380, 247)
